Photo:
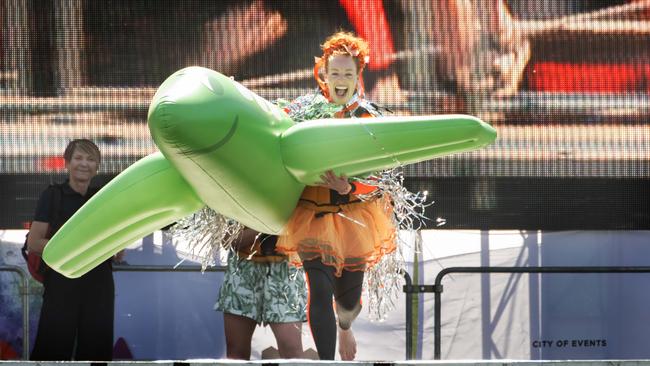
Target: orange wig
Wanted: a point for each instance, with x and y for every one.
(342, 43)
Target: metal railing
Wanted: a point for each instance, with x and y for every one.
(165, 268)
(409, 289)
(437, 288)
(24, 286)
(24, 294)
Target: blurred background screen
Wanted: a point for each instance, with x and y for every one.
(566, 83)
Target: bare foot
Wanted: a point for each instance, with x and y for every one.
(347, 345)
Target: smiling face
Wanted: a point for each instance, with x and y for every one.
(341, 78)
(82, 166)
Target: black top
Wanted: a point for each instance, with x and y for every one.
(71, 201)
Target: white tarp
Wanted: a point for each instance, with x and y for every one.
(520, 316)
(497, 316)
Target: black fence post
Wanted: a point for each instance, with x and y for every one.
(409, 315)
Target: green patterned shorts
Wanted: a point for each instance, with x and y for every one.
(264, 292)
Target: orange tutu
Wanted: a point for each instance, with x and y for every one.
(351, 236)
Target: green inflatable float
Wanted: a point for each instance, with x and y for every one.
(223, 146)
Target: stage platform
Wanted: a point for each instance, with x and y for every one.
(360, 363)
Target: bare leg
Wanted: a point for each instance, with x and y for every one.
(289, 339)
(347, 344)
(239, 333)
(347, 292)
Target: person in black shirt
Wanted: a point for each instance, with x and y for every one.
(76, 320)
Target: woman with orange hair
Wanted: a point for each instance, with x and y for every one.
(334, 233)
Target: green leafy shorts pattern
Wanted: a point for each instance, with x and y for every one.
(264, 292)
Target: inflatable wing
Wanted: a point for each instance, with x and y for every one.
(362, 145)
(223, 146)
(146, 196)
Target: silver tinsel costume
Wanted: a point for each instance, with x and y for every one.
(207, 231)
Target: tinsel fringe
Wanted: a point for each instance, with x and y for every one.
(384, 281)
(206, 232)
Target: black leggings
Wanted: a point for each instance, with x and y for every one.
(347, 293)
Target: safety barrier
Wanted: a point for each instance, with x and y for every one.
(24, 286)
(437, 287)
(409, 290)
